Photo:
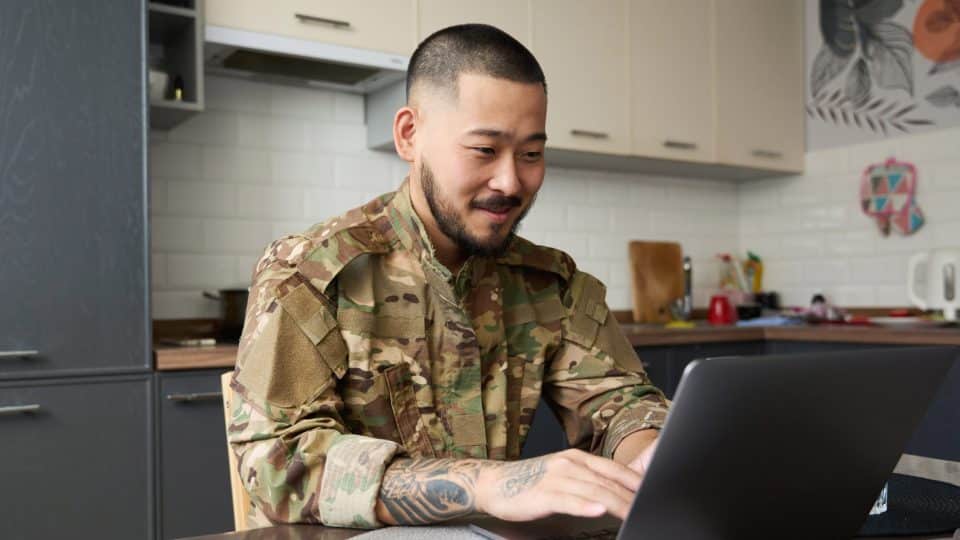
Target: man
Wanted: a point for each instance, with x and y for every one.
(393, 357)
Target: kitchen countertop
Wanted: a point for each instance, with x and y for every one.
(641, 335)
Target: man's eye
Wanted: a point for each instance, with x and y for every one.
(487, 151)
(532, 156)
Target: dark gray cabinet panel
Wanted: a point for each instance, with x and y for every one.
(80, 465)
(73, 187)
(194, 476)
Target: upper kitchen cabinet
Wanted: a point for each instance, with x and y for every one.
(582, 49)
(671, 79)
(511, 16)
(759, 78)
(379, 25)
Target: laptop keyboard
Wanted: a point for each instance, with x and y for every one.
(602, 534)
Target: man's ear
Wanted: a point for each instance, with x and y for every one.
(404, 131)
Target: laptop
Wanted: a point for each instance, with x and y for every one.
(774, 446)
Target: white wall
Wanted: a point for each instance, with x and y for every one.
(264, 160)
(814, 237)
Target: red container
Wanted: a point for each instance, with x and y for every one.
(721, 310)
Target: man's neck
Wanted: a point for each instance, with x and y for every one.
(447, 252)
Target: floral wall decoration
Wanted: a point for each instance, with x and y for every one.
(878, 68)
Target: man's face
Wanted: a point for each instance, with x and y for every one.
(480, 159)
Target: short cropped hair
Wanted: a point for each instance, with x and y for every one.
(471, 48)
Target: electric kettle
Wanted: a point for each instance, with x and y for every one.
(942, 267)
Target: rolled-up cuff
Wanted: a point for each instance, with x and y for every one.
(351, 480)
(627, 421)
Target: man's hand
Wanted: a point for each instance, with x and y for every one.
(416, 492)
(569, 482)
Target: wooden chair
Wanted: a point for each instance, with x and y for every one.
(239, 496)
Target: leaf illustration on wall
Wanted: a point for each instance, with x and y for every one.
(837, 27)
(945, 96)
(872, 12)
(942, 67)
(826, 66)
(879, 115)
(860, 38)
(857, 87)
(890, 49)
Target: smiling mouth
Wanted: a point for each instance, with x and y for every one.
(497, 215)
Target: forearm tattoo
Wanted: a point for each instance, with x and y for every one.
(421, 491)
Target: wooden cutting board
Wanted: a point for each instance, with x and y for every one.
(657, 270)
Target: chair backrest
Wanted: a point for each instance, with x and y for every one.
(239, 496)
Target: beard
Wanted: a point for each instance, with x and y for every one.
(454, 227)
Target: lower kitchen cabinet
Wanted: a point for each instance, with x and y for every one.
(76, 458)
(194, 478)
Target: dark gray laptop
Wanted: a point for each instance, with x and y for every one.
(778, 446)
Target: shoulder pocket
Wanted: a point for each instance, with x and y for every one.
(588, 309)
(309, 309)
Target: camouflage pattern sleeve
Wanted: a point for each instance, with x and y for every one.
(594, 380)
(295, 457)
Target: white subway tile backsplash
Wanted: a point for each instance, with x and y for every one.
(891, 295)
(158, 270)
(244, 265)
(270, 202)
(348, 108)
(341, 138)
(368, 171)
(545, 217)
(853, 295)
(169, 234)
(182, 305)
(824, 271)
(301, 168)
(241, 165)
(635, 222)
(610, 247)
(273, 132)
(198, 271)
(268, 160)
(588, 218)
(850, 243)
(201, 199)
(172, 160)
(158, 196)
(236, 236)
(297, 102)
(211, 127)
(879, 270)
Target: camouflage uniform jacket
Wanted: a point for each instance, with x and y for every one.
(359, 346)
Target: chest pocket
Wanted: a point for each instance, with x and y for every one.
(386, 359)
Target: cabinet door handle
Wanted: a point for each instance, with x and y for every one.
(19, 409)
(772, 154)
(322, 20)
(591, 134)
(680, 145)
(18, 354)
(198, 396)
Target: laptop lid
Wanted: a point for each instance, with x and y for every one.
(783, 446)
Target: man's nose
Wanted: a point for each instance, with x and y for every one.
(506, 180)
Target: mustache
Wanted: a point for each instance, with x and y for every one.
(497, 203)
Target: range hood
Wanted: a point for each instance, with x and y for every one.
(269, 57)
